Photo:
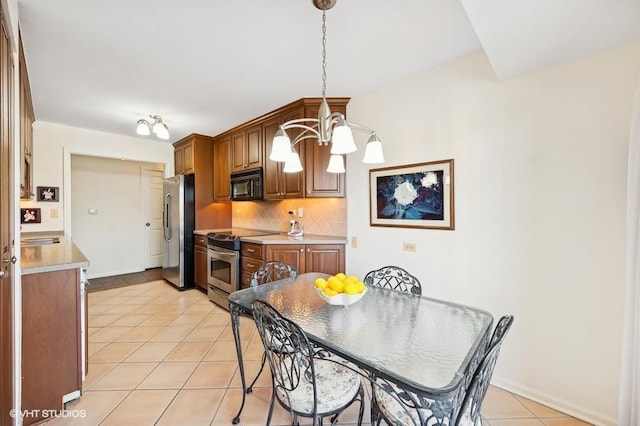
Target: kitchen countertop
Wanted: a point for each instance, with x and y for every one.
(283, 238)
(37, 258)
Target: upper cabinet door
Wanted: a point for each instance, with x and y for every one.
(247, 148)
(319, 182)
(221, 169)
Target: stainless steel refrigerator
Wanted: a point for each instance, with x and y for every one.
(178, 221)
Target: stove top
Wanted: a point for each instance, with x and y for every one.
(230, 238)
(240, 232)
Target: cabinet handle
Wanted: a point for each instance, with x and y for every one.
(250, 250)
(301, 250)
(250, 265)
(308, 250)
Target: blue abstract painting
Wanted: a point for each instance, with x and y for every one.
(413, 195)
(418, 196)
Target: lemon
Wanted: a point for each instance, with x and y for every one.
(361, 286)
(336, 284)
(352, 278)
(329, 292)
(321, 283)
(340, 276)
(352, 288)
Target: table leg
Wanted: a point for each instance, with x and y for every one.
(235, 327)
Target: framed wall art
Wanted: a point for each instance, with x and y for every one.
(413, 196)
(30, 215)
(48, 193)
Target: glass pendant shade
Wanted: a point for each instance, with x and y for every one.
(281, 147)
(163, 132)
(292, 164)
(143, 128)
(342, 138)
(157, 127)
(336, 164)
(373, 152)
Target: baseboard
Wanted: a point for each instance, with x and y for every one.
(582, 413)
(113, 273)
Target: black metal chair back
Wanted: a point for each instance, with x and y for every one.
(266, 273)
(395, 278)
(477, 389)
(272, 271)
(293, 368)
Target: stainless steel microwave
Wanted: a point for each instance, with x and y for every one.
(247, 185)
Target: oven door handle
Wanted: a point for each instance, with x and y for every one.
(223, 253)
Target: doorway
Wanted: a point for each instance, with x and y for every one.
(112, 201)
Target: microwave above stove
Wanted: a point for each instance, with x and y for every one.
(247, 185)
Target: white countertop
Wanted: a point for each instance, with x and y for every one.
(39, 258)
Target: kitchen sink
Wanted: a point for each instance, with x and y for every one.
(39, 241)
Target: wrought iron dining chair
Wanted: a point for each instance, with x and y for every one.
(305, 384)
(398, 406)
(477, 389)
(272, 271)
(266, 273)
(395, 278)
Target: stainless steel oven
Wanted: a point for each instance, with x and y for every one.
(223, 274)
(223, 262)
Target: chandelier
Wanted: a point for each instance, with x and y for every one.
(158, 128)
(327, 128)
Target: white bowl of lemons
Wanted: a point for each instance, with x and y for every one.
(340, 289)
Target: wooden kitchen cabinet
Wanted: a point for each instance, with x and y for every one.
(183, 157)
(51, 340)
(200, 274)
(319, 182)
(278, 184)
(246, 149)
(326, 258)
(250, 145)
(222, 169)
(251, 258)
(194, 154)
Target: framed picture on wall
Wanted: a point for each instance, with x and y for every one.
(48, 193)
(413, 196)
(30, 215)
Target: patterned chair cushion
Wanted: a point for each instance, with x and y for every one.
(398, 414)
(336, 386)
(393, 411)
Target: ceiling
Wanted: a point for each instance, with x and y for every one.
(208, 65)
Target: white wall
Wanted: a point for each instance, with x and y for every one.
(540, 175)
(108, 215)
(53, 146)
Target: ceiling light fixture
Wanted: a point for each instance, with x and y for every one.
(158, 128)
(327, 127)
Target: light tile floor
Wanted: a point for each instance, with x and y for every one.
(165, 357)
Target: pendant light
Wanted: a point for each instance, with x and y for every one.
(327, 128)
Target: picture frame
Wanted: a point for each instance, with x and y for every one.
(30, 215)
(413, 196)
(48, 193)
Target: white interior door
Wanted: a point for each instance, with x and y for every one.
(152, 205)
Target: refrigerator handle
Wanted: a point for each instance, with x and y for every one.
(167, 217)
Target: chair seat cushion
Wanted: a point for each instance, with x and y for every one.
(336, 385)
(392, 410)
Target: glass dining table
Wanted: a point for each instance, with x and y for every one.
(422, 345)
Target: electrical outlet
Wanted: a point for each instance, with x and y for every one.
(409, 247)
(53, 213)
(300, 212)
(354, 242)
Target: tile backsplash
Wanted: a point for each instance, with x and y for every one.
(323, 216)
